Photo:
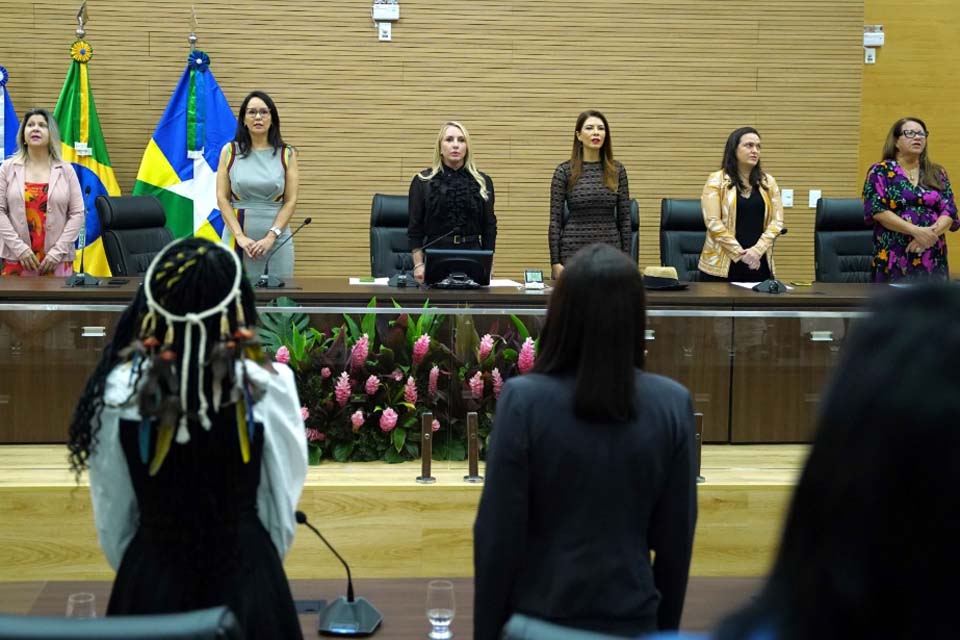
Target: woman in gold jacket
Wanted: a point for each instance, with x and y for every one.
(743, 214)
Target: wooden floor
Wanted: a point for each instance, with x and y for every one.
(386, 524)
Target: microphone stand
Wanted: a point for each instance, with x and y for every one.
(267, 281)
(83, 279)
(772, 285)
(345, 616)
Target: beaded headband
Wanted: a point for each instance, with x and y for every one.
(159, 267)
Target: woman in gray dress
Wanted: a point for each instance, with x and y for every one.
(257, 184)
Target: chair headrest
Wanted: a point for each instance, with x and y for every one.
(130, 212)
(389, 211)
(840, 214)
(681, 215)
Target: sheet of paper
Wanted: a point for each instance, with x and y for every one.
(504, 282)
(370, 281)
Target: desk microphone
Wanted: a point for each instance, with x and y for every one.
(83, 279)
(345, 616)
(266, 281)
(772, 285)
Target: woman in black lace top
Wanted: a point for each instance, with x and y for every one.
(451, 203)
(589, 195)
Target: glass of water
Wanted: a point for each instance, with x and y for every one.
(81, 605)
(441, 607)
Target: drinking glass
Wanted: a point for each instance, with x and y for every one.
(81, 605)
(440, 608)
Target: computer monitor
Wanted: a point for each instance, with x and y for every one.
(458, 268)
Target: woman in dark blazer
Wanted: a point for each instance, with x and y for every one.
(451, 203)
(591, 468)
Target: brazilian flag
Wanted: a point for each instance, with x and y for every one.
(179, 166)
(84, 147)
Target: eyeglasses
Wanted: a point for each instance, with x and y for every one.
(253, 113)
(910, 133)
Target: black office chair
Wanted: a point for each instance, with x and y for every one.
(634, 227)
(217, 623)
(133, 231)
(843, 243)
(682, 233)
(389, 246)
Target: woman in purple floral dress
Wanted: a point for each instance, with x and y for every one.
(908, 200)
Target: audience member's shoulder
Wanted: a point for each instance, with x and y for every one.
(278, 377)
(119, 384)
(563, 167)
(662, 385)
(531, 384)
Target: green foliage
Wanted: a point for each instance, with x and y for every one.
(276, 328)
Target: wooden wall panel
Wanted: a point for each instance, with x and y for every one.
(915, 75)
(673, 77)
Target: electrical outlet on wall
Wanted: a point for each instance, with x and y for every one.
(815, 195)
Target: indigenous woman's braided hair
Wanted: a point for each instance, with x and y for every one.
(174, 305)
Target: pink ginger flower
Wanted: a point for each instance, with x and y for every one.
(435, 425)
(525, 361)
(388, 420)
(282, 356)
(420, 348)
(410, 391)
(313, 435)
(342, 389)
(434, 378)
(361, 350)
(497, 382)
(486, 346)
(397, 375)
(357, 420)
(325, 372)
(304, 413)
(476, 385)
(373, 383)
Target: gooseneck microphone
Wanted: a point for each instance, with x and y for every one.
(83, 279)
(345, 616)
(266, 281)
(772, 285)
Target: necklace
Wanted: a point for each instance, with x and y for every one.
(913, 175)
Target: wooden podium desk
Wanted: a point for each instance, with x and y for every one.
(755, 363)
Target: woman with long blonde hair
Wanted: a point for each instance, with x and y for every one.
(451, 203)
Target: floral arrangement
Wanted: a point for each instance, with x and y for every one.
(366, 384)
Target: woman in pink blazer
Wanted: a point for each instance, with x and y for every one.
(41, 205)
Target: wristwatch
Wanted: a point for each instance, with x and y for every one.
(276, 231)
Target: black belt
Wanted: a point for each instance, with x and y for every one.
(458, 239)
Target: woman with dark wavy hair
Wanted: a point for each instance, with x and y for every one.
(258, 180)
(195, 447)
(590, 471)
(743, 214)
(589, 194)
(909, 201)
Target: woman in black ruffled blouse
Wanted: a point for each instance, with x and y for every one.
(451, 203)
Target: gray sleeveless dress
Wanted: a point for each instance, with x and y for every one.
(257, 182)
